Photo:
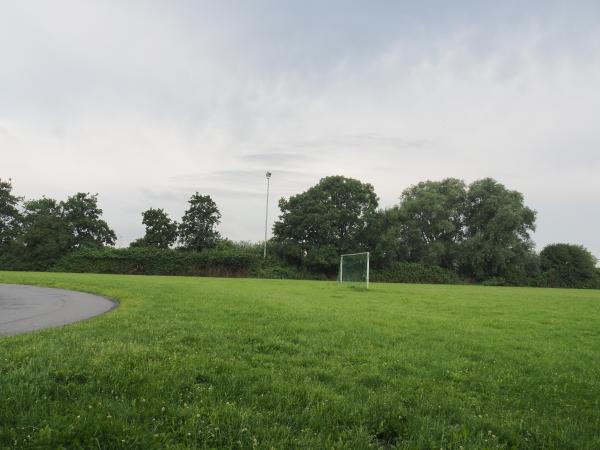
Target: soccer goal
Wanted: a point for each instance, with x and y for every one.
(354, 269)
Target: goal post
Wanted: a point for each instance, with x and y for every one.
(354, 269)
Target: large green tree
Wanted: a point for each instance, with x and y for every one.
(46, 234)
(84, 219)
(384, 241)
(497, 231)
(431, 221)
(333, 217)
(161, 231)
(567, 265)
(10, 216)
(197, 230)
(50, 229)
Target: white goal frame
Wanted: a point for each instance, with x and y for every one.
(354, 254)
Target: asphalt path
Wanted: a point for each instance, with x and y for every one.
(29, 308)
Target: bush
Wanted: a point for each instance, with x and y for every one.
(566, 265)
(154, 261)
(6, 260)
(276, 270)
(408, 272)
(495, 281)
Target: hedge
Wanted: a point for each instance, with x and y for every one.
(408, 272)
(235, 262)
(149, 261)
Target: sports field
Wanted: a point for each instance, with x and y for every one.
(240, 363)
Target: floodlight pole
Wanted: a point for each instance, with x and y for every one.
(268, 175)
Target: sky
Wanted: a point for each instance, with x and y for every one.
(147, 102)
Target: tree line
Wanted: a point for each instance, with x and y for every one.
(479, 232)
(35, 234)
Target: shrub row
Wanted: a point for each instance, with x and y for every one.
(408, 272)
(225, 263)
(553, 278)
(248, 262)
(150, 261)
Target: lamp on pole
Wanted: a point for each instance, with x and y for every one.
(266, 215)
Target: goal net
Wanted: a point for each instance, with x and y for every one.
(354, 269)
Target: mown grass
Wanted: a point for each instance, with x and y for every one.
(239, 363)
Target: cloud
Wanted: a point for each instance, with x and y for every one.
(275, 159)
(147, 103)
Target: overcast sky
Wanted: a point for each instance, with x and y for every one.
(147, 102)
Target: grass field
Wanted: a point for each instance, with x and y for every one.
(240, 363)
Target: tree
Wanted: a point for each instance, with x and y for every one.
(46, 234)
(384, 239)
(161, 231)
(497, 227)
(333, 217)
(51, 229)
(197, 230)
(10, 216)
(431, 221)
(84, 220)
(567, 265)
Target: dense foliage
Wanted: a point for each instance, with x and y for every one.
(430, 222)
(439, 232)
(156, 261)
(197, 230)
(497, 227)
(84, 221)
(331, 218)
(410, 272)
(44, 230)
(161, 231)
(10, 217)
(45, 234)
(568, 265)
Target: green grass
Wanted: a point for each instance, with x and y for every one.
(239, 363)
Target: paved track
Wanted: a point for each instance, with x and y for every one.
(28, 308)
